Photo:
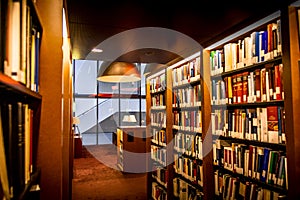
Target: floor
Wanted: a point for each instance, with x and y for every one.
(96, 176)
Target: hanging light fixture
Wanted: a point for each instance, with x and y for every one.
(152, 68)
(119, 72)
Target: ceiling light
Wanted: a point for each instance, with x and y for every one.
(119, 72)
(95, 50)
(152, 68)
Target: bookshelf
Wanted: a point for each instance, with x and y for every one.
(187, 128)
(131, 149)
(248, 113)
(180, 163)
(159, 171)
(21, 32)
(256, 155)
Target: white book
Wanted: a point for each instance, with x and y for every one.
(15, 43)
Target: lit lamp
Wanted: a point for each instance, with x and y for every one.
(119, 72)
(75, 122)
(152, 68)
(129, 118)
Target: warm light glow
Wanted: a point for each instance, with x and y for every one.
(129, 118)
(95, 50)
(76, 120)
(119, 72)
(65, 29)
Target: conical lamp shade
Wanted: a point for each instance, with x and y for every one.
(120, 72)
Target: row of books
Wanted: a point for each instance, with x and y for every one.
(159, 155)
(158, 119)
(16, 126)
(257, 47)
(159, 137)
(189, 168)
(264, 124)
(158, 83)
(23, 35)
(186, 73)
(160, 174)
(259, 85)
(260, 163)
(187, 120)
(157, 100)
(185, 191)
(158, 192)
(187, 97)
(231, 187)
(189, 144)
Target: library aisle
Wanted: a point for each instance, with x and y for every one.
(95, 180)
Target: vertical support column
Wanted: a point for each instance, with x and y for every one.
(291, 78)
(51, 127)
(208, 175)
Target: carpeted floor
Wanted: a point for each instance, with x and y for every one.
(96, 177)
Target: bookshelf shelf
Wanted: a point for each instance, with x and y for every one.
(281, 147)
(243, 178)
(260, 65)
(244, 105)
(9, 85)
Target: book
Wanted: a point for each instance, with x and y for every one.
(272, 121)
(263, 84)
(239, 88)
(3, 167)
(264, 171)
(245, 87)
(3, 29)
(257, 85)
(15, 43)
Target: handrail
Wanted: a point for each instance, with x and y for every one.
(92, 108)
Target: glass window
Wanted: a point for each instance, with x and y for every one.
(85, 77)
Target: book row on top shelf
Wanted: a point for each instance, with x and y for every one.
(20, 42)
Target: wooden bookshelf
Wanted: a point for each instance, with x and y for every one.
(131, 149)
(288, 100)
(20, 101)
(225, 112)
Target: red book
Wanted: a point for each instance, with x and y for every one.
(257, 85)
(245, 86)
(234, 88)
(272, 121)
(281, 80)
(239, 88)
(277, 83)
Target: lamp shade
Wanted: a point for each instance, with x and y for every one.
(129, 118)
(120, 72)
(152, 68)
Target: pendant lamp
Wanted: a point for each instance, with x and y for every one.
(152, 68)
(119, 72)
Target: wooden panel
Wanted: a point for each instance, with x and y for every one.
(134, 149)
(206, 129)
(292, 97)
(50, 141)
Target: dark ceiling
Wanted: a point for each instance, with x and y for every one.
(147, 31)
